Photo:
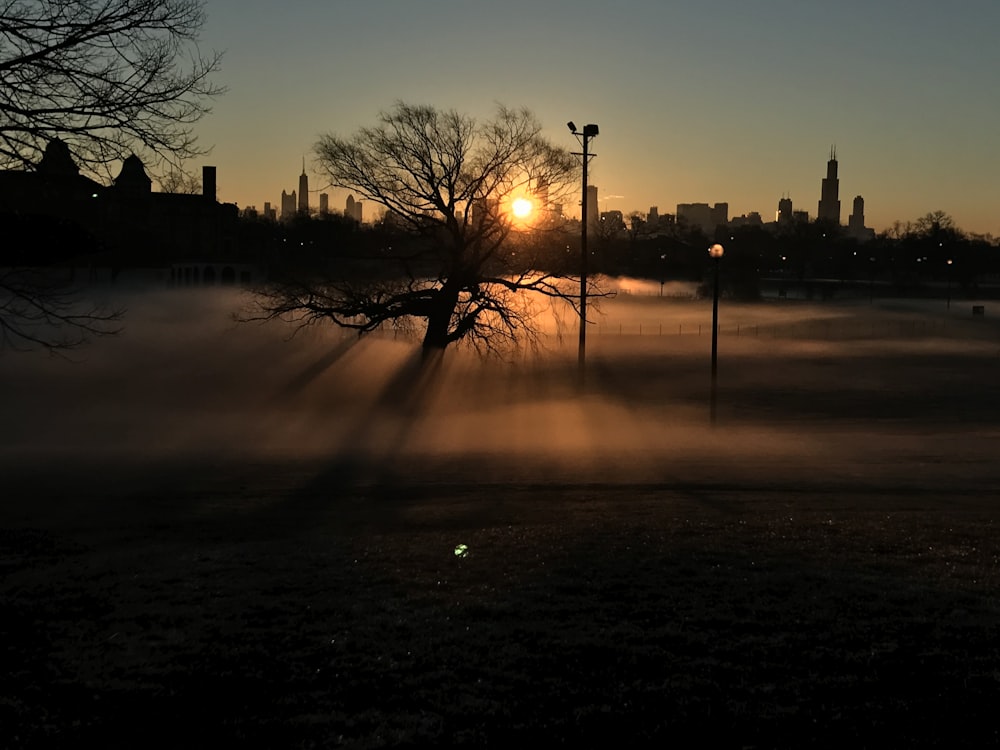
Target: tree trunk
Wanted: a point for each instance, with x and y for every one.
(437, 337)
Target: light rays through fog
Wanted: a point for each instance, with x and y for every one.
(810, 394)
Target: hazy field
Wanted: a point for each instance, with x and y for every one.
(835, 393)
(213, 535)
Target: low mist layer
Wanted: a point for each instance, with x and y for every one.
(900, 392)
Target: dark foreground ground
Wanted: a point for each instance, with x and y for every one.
(579, 615)
(821, 569)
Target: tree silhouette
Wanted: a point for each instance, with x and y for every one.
(180, 182)
(108, 77)
(448, 181)
(39, 309)
(936, 224)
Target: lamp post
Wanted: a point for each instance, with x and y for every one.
(589, 131)
(948, 283)
(716, 252)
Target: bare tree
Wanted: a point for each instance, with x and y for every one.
(935, 224)
(108, 77)
(180, 182)
(450, 181)
(38, 309)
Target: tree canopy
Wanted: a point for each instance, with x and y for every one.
(108, 77)
(449, 181)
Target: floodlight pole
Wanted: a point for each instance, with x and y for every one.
(715, 252)
(589, 131)
(948, 270)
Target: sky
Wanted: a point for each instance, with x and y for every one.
(735, 101)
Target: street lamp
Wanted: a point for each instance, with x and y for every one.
(589, 131)
(716, 252)
(948, 282)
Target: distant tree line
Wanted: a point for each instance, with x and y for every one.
(908, 259)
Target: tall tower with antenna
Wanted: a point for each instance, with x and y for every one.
(829, 201)
(303, 189)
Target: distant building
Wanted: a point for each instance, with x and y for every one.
(657, 223)
(784, 215)
(752, 219)
(541, 195)
(612, 221)
(703, 216)
(288, 205)
(829, 202)
(303, 190)
(324, 203)
(856, 222)
(483, 212)
(269, 213)
(353, 209)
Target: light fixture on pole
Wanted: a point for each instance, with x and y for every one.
(948, 282)
(589, 131)
(715, 252)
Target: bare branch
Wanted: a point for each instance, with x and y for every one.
(38, 309)
(109, 77)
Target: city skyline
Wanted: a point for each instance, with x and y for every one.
(735, 104)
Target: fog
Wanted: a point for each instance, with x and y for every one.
(897, 393)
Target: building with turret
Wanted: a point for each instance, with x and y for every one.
(122, 225)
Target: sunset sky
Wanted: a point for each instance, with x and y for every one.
(734, 101)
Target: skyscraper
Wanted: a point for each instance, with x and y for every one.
(303, 189)
(353, 209)
(829, 202)
(287, 204)
(856, 221)
(784, 210)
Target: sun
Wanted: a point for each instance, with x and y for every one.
(521, 207)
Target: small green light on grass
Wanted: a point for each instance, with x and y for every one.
(461, 550)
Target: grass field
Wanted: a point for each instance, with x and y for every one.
(214, 537)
